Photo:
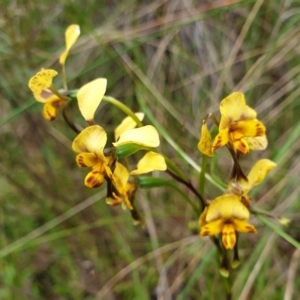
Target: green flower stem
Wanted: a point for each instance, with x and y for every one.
(214, 119)
(57, 93)
(68, 119)
(202, 175)
(190, 186)
(123, 108)
(174, 168)
(64, 76)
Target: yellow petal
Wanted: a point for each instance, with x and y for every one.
(250, 128)
(122, 174)
(127, 123)
(212, 228)
(259, 171)
(205, 143)
(226, 207)
(221, 139)
(228, 236)
(89, 97)
(42, 80)
(71, 35)
(113, 201)
(257, 143)
(202, 218)
(241, 146)
(146, 136)
(86, 160)
(94, 179)
(233, 108)
(91, 140)
(243, 226)
(45, 96)
(50, 109)
(151, 161)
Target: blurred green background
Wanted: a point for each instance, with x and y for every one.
(177, 59)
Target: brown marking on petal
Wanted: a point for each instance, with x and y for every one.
(204, 233)
(259, 130)
(251, 229)
(218, 143)
(48, 116)
(242, 149)
(93, 182)
(80, 162)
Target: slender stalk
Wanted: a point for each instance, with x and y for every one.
(214, 119)
(189, 186)
(236, 172)
(202, 175)
(123, 108)
(64, 76)
(68, 120)
(57, 93)
(173, 167)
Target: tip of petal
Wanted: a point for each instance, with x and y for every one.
(89, 97)
(41, 80)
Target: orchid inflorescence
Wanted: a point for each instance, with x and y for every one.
(239, 131)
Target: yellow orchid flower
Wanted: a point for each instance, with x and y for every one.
(238, 126)
(44, 92)
(127, 124)
(226, 214)
(151, 161)
(71, 35)
(124, 189)
(89, 97)
(146, 136)
(256, 175)
(90, 145)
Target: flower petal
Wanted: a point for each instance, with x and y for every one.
(205, 143)
(241, 146)
(202, 218)
(50, 109)
(250, 128)
(212, 228)
(257, 143)
(92, 140)
(228, 236)
(226, 207)
(94, 179)
(45, 96)
(89, 97)
(127, 123)
(243, 226)
(122, 174)
(151, 161)
(259, 171)
(42, 80)
(234, 108)
(221, 139)
(86, 160)
(71, 35)
(146, 136)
